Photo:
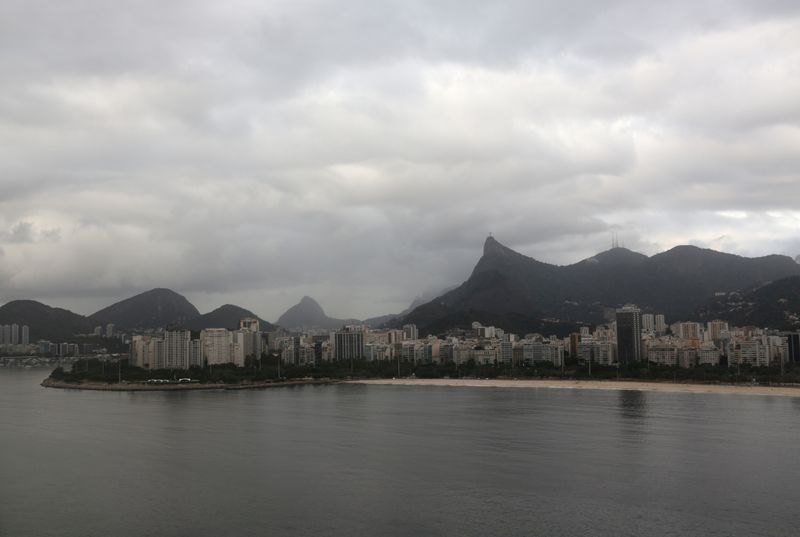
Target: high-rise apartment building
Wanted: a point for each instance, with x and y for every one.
(629, 334)
(793, 343)
(26, 335)
(216, 344)
(143, 352)
(648, 322)
(506, 352)
(348, 344)
(574, 344)
(15, 334)
(689, 330)
(250, 324)
(245, 344)
(177, 346)
(196, 353)
(158, 354)
(394, 337)
(410, 331)
(661, 324)
(715, 329)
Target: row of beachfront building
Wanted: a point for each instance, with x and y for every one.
(626, 340)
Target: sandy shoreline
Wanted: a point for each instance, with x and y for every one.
(785, 391)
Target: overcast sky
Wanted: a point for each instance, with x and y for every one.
(252, 152)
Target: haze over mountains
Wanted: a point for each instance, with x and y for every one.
(309, 314)
(676, 282)
(153, 309)
(505, 288)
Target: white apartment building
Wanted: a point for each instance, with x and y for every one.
(216, 346)
(648, 322)
(410, 332)
(663, 354)
(177, 349)
(661, 324)
(750, 352)
(486, 355)
(708, 355)
(539, 351)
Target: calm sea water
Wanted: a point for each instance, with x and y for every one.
(397, 461)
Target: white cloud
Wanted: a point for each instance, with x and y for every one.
(255, 152)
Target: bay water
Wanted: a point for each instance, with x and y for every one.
(356, 460)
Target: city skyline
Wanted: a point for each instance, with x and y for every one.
(399, 267)
(255, 154)
(629, 341)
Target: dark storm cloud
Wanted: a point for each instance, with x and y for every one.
(254, 152)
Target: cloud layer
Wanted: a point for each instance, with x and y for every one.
(254, 152)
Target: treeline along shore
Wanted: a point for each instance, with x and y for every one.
(96, 374)
(176, 386)
(269, 372)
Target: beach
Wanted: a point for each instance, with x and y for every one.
(785, 391)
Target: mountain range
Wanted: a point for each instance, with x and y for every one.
(154, 309)
(309, 314)
(507, 289)
(44, 321)
(676, 283)
(776, 305)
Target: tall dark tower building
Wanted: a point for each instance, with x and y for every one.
(629, 335)
(793, 339)
(349, 344)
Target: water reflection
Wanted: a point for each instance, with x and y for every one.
(633, 404)
(632, 407)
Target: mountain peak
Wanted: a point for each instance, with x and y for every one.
(155, 308)
(492, 246)
(494, 249)
(226, 316)
(674, 283)
(618, 256)
(310, 306)
(306, 313)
